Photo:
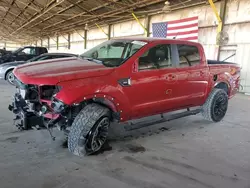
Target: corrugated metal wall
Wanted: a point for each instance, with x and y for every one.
(243, 58)
(237, 24)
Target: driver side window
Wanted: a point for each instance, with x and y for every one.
(28, 51)
(157, 57)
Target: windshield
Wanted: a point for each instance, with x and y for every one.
(113, 53)
(17, 50)
(37, 58)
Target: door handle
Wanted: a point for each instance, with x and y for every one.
(169, 91)
(202, 73)
(125, 82)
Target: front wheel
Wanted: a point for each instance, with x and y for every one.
(10, 77)
(215, 107)
(89, 130)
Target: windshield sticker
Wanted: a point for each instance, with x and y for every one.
(139, 42)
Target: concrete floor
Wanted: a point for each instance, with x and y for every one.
(189, 152)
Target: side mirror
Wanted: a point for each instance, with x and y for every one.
(19, 53)
(94, 55)
(135, 66)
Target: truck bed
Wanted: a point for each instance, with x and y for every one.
(213, 62)
(220, 68)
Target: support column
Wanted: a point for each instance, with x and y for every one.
(69, 41)
(57, 42)
(109, 32)
(148, 25)
(48, 43)
(85, 38)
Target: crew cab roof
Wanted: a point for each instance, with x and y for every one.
(153, 39)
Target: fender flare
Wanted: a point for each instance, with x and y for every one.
(117, 107)
(223, 82)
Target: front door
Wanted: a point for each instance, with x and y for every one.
(150, 89)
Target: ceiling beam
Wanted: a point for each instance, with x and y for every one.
(59, 12)
(44, 11)
(115, 12)
(28, 5)
(21, 11)
(8, 10)
(77, 15)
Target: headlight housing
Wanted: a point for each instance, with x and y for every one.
(49, 91)
(57, 105)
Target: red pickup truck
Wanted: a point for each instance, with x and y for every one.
(121, 80)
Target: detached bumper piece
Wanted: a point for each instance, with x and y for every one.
(24, 119)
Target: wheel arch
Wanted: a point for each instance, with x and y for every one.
(7, 71)
(110, 104)
(223, 85)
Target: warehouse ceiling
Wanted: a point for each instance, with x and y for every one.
(24, 20)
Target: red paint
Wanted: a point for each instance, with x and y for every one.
(151, 92)
(182, 33)
(183, 26)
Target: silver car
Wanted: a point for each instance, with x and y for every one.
(7, 68)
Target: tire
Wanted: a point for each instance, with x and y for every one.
(216, 105)
(10, 77)
(90, 124)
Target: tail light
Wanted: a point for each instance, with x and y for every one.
(234, 70)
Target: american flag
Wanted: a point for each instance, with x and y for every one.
(184, 29)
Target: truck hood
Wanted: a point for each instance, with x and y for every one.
(7, 58)
(51, 72)
(13, 63)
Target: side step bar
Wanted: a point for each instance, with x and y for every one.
(134, 126)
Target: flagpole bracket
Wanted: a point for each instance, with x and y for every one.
(216, 12)
(138, 21)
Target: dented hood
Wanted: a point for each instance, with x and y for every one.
(51, 72)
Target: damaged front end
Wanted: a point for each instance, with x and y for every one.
(36, 107)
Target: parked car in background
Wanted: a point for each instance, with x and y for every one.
(4, 52)
(23, 54)
(7, 68)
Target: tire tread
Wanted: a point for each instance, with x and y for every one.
(207, 107)
(81, 126)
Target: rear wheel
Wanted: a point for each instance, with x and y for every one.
(89, 130)
(10, 77)
(215, 107)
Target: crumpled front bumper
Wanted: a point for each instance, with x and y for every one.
(24, 118)
(18, 104)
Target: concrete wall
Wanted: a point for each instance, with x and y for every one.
(237, 26)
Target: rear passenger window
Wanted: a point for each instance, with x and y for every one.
(157, 57)
(188, 55)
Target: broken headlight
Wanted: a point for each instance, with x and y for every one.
(47, 91)
(57, 105)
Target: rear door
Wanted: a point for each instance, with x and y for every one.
(193, 74)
